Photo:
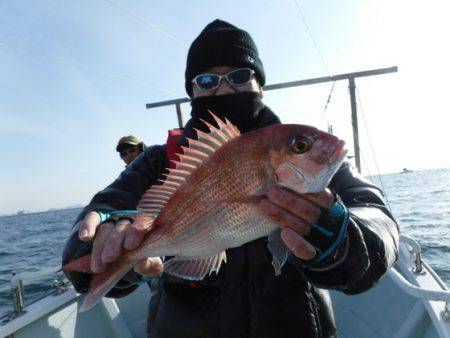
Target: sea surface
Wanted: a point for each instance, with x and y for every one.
(420, 201)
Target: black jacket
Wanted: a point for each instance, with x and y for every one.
(246, 299)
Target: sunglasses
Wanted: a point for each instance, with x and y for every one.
(212, 81)
(127, 151)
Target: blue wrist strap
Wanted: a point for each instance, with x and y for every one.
(145, 279)
(103, 216)
(332, 234)
(116, 215)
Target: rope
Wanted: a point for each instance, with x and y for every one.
(299, 10)
(365, 164)
(326, 105)
(72, 62)
(148, 24)
(371, 148)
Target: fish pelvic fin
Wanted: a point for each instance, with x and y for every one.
(278, 249)
(103, 282)
(197, 269)
(82, 264)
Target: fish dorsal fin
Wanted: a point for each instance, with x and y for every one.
(194, 269)
(194, 155)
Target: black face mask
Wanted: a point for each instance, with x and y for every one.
(242, 109)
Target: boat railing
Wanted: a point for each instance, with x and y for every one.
(62, 285)
(421, 268)
(18, 280)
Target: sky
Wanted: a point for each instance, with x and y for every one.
(76, 75)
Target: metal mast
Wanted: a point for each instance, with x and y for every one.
(351, 83)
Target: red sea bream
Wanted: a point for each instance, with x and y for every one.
(209, 202)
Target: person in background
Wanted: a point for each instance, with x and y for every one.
(343, 238)
(129, 147)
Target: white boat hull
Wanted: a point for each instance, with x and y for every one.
(385, 311)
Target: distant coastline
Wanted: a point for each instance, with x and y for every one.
(371, 176)
(26, 213)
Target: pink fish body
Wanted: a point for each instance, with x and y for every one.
(209, 202)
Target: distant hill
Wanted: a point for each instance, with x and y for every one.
(75, 206)
(26, 212)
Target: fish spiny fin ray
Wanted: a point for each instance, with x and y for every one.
(212, 140)
(202, 146)
(194, 155)
(197, 269)
(232, 128)
(184, 166)
(226, 128)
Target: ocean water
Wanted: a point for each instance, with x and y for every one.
(420, 201)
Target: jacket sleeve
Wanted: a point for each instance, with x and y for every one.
(370, 246)
(123, 194)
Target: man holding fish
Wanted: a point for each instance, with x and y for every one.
(251, 219)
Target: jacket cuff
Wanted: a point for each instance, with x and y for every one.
(350, 262)
(335, 259)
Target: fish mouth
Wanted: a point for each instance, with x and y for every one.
(339, 152)
(327, 152)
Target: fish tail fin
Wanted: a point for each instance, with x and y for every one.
(103, 282)
(82, 264)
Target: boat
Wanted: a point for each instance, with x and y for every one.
(410, 300)
(406, 171)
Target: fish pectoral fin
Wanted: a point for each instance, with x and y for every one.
(197, 269)
(278, 249)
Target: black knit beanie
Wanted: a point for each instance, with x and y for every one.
(222, 44)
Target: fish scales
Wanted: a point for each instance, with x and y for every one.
(219, 182)
(234, 228)
(216, 182)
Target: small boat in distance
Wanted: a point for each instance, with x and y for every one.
(406, 171)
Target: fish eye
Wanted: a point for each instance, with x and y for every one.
(300, 145)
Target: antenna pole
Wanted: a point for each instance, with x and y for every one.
(179, 115)
(352, 86)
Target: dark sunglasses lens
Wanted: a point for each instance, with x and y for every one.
(239, 76)
(207, 81)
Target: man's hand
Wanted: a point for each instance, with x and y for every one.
(109, 240)
(294, 213)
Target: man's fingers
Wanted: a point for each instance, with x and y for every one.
(151, 266)
(299, 246)
(324, 199)
(136, 232)
(97, 265)
(294, 203)
(90, 223)
(283, 218)
(113, 244)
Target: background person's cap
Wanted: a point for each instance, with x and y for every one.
(127, 140)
